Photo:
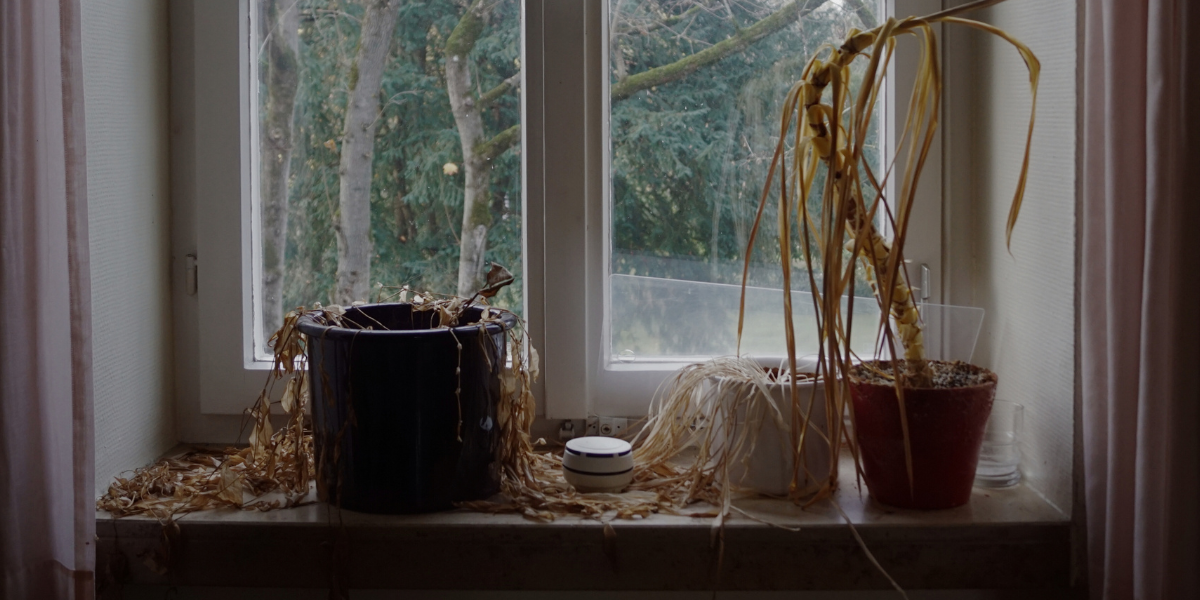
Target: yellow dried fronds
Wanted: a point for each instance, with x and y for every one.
(830, 121)
(827, 120)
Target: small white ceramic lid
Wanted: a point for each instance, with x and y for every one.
(598, 447)
(598, 456)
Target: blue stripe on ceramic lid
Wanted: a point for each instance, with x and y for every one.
(598, 455)
(582, 472)
(598, 447)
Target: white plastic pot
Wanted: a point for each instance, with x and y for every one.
(767, 467)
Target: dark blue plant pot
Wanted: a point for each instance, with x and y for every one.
(386, 420)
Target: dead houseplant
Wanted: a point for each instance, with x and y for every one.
(407, 398)
(413, 410)
(404, 419)
(918, 423)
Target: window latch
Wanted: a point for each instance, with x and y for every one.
(925, 283)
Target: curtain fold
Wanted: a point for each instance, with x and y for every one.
(47, 511)
(1139, 331)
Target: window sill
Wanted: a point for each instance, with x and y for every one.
(1003, 539)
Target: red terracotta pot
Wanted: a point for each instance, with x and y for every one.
(945, 432)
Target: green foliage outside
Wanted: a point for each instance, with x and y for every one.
(689, 156)
(416, 207)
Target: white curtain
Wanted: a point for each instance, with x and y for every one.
(1140, 268)
(47, 508)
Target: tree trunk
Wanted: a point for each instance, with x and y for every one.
(714, 240)
(731, 126)
(478, 151)
(280, 20)
(477, 216)
(353, 225)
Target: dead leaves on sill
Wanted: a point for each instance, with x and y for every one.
(276, 470)
(273, 472)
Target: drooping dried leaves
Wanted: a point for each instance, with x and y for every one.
(274, 471)
(823, 140)
(682, 454)
(497, 278)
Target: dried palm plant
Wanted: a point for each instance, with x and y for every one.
(823, 129)
(826, 123)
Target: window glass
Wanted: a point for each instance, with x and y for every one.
(691, 144)
(363, 116)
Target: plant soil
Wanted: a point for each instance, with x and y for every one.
(946, 374)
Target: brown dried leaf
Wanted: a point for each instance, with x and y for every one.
(304, 395)
(260, 437)
(497, 278)
(289, 395)
(230, 486)
(532, 367)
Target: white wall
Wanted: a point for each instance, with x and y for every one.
(125, 77)
(1029, 295)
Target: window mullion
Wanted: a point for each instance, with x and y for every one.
(566, 297)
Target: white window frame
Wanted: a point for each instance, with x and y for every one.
(229, 379)
(565, 193)
(580, 379)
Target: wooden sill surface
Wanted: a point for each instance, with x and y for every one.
(1003, 539)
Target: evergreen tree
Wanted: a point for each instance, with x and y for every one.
(404, 165)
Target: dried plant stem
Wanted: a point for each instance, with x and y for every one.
(902, 306)
(842, 162)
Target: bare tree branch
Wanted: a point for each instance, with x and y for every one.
(668, 21)
(864, 12)
(499, 143)
(494, 94)
(737, 43)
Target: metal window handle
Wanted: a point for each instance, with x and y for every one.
(925, 282)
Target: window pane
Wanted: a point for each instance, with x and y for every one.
(363, 114)
(691, 145)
